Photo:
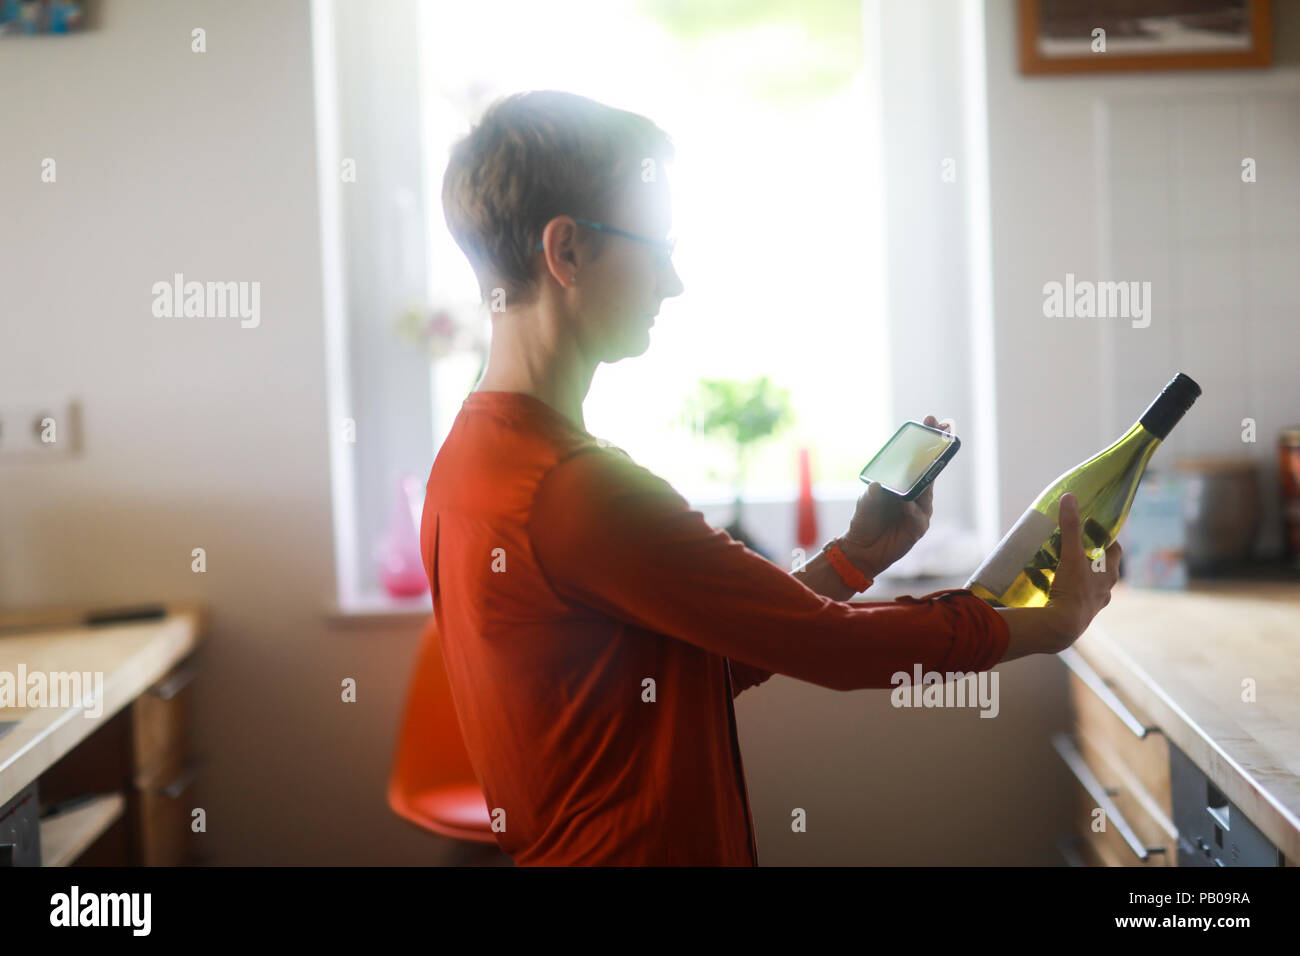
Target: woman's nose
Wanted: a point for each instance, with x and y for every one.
(674, 286)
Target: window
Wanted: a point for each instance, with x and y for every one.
(817, 242)
(775, 194)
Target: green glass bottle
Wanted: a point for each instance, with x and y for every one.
(1019, 571)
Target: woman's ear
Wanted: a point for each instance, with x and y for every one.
(561, 257)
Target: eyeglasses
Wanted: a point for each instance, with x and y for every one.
(663, 247)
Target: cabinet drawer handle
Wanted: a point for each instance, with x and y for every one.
(181, 782)
(1083, 773)
(176, 681)
(1083, 670)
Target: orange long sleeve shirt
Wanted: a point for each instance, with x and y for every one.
(595, 630)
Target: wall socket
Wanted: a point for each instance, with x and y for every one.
(33, 431)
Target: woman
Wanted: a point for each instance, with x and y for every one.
(594, 628)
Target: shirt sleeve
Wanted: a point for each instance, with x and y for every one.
(612, 536)
(745, 676)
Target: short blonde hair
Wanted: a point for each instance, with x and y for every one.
(531, 157)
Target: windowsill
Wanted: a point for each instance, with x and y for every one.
(717, 496)
(377, 609)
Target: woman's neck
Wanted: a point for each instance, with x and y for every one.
(527, 356)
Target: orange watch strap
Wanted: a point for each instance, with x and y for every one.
(850, 575)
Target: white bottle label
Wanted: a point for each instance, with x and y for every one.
(1016, 549)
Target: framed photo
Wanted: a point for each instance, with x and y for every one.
(1094, 36)
(33, 17)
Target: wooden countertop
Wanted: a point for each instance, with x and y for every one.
(131, 656)
(1182, 657)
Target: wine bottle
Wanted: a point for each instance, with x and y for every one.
(1020, 570)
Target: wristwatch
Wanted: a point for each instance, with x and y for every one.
(850, 575)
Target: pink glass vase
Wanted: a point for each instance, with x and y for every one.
(401, 566)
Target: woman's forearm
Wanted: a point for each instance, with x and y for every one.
(1034, 630)
(820, 575)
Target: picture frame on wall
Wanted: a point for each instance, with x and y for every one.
(41, 17)
(1098, 36)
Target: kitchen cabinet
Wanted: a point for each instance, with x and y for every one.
(110, 783)
(1185, 728)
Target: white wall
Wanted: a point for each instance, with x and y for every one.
(1059, 396)
(197, 433)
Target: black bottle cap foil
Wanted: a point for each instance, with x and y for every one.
(1170, 405)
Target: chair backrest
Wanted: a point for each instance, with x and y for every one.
(430, 750)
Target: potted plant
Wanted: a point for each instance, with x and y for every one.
(741, 415)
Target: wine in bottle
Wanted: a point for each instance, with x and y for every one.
(1020, 570)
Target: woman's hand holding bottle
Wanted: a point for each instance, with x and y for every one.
(1078, 592)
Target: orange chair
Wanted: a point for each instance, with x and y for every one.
(432, 783)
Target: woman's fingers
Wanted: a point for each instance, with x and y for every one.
(925, 500)
(1071, 540)
(1113, 554)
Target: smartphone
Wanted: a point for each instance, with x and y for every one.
(911, 459)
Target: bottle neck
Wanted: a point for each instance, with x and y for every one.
(1169, 407)
(1139, 436)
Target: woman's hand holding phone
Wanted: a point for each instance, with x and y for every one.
(884, 526)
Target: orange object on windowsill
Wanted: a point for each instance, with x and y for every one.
(806, 526)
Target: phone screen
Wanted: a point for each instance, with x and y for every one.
(906, 457)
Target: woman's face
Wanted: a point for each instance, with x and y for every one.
(618, 293)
